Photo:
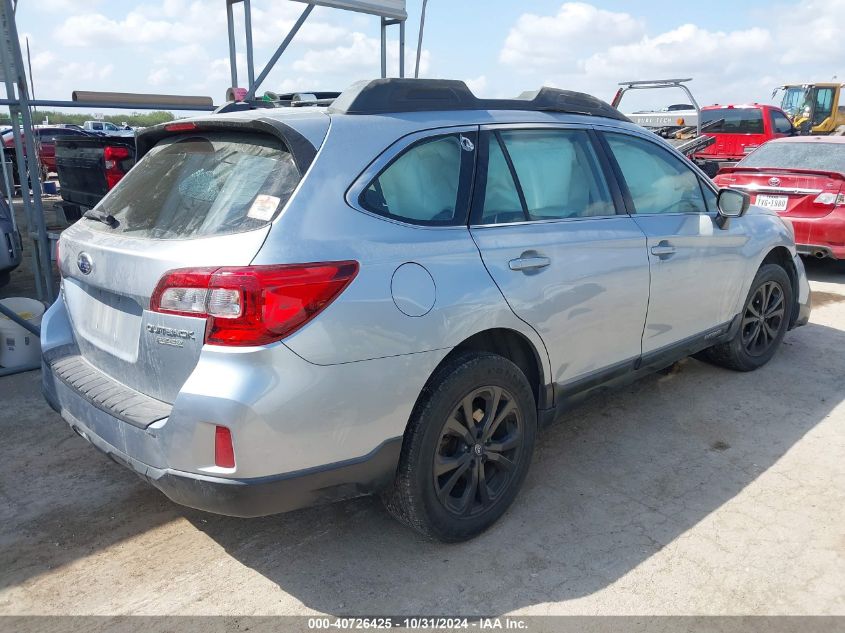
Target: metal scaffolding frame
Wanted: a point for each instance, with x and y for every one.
(390, 13)
(14, 77)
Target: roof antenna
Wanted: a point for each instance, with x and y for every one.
(419, 41)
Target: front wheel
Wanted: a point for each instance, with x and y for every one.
(467, 448)
(764, 321)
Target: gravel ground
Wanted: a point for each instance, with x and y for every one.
(700, 491)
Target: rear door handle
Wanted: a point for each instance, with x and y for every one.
(529, 263)
(663, 250)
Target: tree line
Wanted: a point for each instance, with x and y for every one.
(135, 119)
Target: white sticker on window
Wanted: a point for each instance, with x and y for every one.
(263, 207)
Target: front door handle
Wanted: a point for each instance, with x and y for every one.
(529, 263)
(663, 250)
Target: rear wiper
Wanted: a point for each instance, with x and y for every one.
(101, 216)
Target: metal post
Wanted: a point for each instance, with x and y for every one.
(35, 213)
(383, 48)
(420, 40)
(402, 48)
(233, 59)
(293, 31)
(250, 68)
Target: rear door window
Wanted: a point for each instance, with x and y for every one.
(426, 184)
(201, 185)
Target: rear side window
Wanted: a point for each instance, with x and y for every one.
(427, 184)
(734, 120)
(202, 185)
(543, 175)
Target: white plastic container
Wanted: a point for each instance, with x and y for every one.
(19, 346)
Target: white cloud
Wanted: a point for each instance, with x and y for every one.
(359, 58)
(543, 41)
(95, 29)
(477, 85)
(159, 76)
(585, 48)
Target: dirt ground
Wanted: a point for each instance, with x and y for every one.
(703, 491)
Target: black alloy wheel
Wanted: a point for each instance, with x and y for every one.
(478, 452)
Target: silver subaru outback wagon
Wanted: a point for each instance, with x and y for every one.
(280, 307)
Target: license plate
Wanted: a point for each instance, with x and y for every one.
(775, 203)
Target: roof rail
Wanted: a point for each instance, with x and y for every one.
(381, 96)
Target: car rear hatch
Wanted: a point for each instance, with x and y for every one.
(797, 193)
(204, 195)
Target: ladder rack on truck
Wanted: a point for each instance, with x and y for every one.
(682, 128)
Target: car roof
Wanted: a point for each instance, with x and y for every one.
(742, 106)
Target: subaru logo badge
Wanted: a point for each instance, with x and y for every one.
(84, 263)
(774, 182)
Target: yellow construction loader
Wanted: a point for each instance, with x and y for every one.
(814, 108)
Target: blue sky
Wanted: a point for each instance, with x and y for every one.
(736, 52)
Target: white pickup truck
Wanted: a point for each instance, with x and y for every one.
(107, 128)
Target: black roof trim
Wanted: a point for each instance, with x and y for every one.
(382, 96)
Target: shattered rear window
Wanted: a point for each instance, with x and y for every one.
(200, 185)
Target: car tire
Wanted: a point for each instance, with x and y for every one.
(764, 321)
(454, 479)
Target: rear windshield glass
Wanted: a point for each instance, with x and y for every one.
(798, 155)
(201, 185)
(735, 120)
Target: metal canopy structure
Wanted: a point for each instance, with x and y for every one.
(14, 78)
(391, 13)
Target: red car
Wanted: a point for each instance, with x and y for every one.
(45, 139)
(802, 178)
(744, 129)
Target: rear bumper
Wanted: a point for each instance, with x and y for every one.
(258, 496)
(804, 296)
(820, 237)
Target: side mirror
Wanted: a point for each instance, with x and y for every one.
(732, 204)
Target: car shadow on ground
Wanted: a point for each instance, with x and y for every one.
(613, 483)
(825, 270)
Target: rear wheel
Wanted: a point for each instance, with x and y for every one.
(467, 449)
(763, 325)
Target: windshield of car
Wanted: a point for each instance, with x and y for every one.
(734, 120)
(201, 185)
(798, 155)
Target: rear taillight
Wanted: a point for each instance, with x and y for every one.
(252, 305)
(114, 171)
(830, 199)
(224, 450)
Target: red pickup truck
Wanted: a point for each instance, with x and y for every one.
(45, 140)
(742, 130)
